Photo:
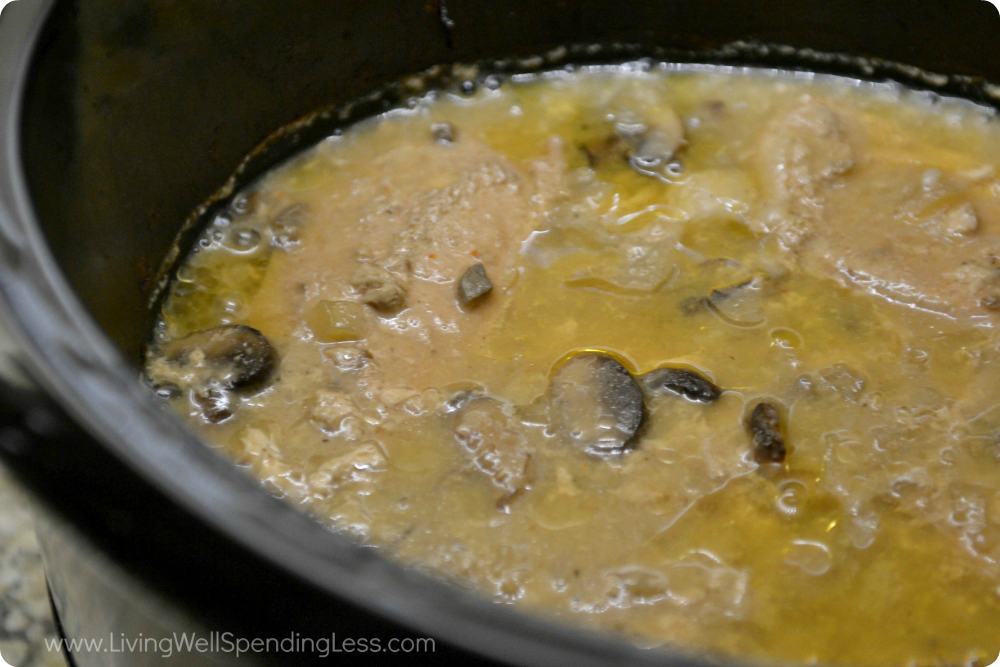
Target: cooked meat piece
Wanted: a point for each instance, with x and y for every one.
(885, 222)
(927, 250)
(495, 442)
(425, 213)
(359, 466)
(335, 413)
(379, 288)
(803, 150)
(958, 220)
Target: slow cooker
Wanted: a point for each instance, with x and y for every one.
(119, 118)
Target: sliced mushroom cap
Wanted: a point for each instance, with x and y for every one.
(596, 403)
(686, 383)
(473, 285)
(764, 425)
(232, 356)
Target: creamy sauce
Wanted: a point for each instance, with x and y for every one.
(826, 247)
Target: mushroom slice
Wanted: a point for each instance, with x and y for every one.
(764, 425)
(232, 356)
(473, 285)
(596, 403)
(689, 384)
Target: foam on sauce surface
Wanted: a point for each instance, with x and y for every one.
(827, 248)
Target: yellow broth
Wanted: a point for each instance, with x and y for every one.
(874, 543)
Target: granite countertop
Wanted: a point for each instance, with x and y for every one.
(25, 616)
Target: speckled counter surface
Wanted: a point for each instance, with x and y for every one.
(25, 616)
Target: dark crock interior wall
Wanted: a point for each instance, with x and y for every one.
(139, 111)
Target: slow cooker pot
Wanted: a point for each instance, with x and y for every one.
(117, 118)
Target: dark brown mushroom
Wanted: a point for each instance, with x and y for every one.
(683, 382)
(473, 285)
(764, 425)
(231, 356)
(596, 403)
(209, 365)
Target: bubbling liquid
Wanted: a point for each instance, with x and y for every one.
(820, 246)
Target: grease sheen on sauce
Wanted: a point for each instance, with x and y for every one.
(817, 244)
